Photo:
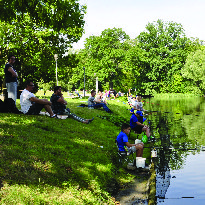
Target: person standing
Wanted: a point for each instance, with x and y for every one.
(11, 78)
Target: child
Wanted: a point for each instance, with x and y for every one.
(122, 142)
(136, 124)
(138, 104)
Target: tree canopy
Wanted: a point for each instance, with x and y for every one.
(56, 14)
(35, 30)
(165, 47)
(153, 62)
(102, 57)
(150, 63)
(194, 68)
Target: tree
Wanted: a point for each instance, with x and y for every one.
(34, 34)
(33, 48)
(61, 16)
(102, 56)
(165, 50)
(194, 69)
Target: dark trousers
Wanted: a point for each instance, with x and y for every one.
(99, 105)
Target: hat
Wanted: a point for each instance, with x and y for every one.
(139, 113)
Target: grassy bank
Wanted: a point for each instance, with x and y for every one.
(53, 161)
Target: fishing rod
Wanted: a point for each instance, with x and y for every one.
(152, 111)
(173, 148)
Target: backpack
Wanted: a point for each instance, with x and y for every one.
(2, 107)
(10, 106)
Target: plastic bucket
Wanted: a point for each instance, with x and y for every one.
(137, 141)
(154, 153)
(140, 162)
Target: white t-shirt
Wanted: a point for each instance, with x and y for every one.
(24, 100)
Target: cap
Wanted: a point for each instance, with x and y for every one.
(139, 113)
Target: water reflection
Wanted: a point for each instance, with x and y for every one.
(162, 184)
(178, 126)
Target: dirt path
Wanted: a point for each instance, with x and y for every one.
(136, 193)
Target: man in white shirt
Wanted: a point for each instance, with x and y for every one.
(31, 105)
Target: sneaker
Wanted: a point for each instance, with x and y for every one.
(85, 122)
(152, 138)
(90, 120)
(55, 116)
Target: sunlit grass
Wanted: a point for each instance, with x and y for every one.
(51, 161)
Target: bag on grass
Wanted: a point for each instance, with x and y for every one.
(10, 106)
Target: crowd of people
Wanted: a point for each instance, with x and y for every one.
(57, 105)
(31, 105)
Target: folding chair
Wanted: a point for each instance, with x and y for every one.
(124, 156)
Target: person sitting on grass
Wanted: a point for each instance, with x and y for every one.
(31, 105)
(100, 97)
(59, 106)
(136, 124)
(122, 142)
(95, 103)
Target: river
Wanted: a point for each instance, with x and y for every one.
(178, 125)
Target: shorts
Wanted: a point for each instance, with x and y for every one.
(138, 129)
(35, 109)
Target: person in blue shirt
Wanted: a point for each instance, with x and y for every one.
(122, 142)
(136, 124)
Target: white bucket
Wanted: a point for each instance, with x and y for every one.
(137, 141)
(140, 162)
(154, 153)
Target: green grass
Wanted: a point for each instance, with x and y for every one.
(53, 161)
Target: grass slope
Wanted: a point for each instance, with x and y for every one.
(53, 161)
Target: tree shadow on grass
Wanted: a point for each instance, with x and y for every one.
(44, 150)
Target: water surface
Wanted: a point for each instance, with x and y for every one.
(178, 125)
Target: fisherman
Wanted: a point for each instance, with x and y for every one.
(136, 124)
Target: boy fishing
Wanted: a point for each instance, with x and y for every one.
(122, 142)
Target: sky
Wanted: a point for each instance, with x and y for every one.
(133, 16)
